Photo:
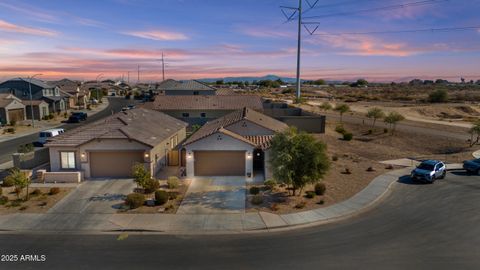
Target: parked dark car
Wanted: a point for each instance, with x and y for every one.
(81, 115)
(429, 171)
(74, 119)
(472, 166)
(131, 106)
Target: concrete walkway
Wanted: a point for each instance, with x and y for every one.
(80, 221)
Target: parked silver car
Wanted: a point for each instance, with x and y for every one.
(429, 171)
(472, 166)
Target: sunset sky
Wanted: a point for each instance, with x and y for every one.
(217, 38)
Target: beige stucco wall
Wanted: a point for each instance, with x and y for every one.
(155, 160)
(218, 142)
(248, 128)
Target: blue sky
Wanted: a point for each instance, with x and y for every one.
(213, 38)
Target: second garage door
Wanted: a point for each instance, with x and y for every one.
(219, 163)
(113, 164)
(16, 115)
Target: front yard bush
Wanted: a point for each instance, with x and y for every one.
(320, 189)
(3, 200)
(36, 192)
(310, 194)
(161, 197)
(173, 182)
(151, 185)
(340, 129)
(8, 182)
(1, 191)
(54, 190)
(257, 199)
(347, 136)
(135, 200)
(270, 183)
(254, 190)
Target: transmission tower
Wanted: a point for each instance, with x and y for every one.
(311, 27)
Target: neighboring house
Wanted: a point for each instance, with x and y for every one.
(234, 145)
(69, 100)
(40, 109)
(184, 88)
(109, 148)
(40, 91)
(80, 96)
(201, 109)
(11, 109)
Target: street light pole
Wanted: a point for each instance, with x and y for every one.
(98, 77)
(31, 98)
(299, 51)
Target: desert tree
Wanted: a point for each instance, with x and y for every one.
(140, 175)
(475, 132)
(341, 109)
(392, 119)
(20, 180)
(298, 159)
(375, 113)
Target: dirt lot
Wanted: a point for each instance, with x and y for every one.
(364, 151)
(170, 207)
(39, 202)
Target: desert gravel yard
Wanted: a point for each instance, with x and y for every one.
(40, 200)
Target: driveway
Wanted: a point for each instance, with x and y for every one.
(95, 197)
(215, 195)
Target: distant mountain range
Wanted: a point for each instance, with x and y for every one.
(249, 79)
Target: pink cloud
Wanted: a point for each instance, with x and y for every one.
(9, 27)
(157, 35)
(267, 33)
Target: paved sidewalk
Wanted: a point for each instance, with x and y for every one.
(93, 222)
(42, 125)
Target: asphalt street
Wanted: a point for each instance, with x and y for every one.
(418, 226)
(9, 147)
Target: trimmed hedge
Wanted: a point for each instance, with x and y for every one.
(320, 189)
(161, 197)
(135, 200)
(254, 190)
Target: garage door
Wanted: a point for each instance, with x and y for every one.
(113, 164)
(219, 163)
(16, 115)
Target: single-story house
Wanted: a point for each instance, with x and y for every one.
(184, 88)
(40, 109)
(110, 147)
(234, 145)
(11, 109)
(201, 109)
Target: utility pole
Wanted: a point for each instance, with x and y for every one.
(299, 50)
(128, 77)
(138, 74)
(98, 85)
(163, 67)
(290, 17)
(31, 98)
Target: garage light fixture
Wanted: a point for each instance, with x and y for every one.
(83, 155)
(249, 155)
(147, 155)
(189, 154)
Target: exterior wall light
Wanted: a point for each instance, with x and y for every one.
(83, 155)
(249, 155)
(147, 155)
(189, 155)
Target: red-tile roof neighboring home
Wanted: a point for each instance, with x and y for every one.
(6, 99)
(233, 102)
(221, 125)
(141, 125)
(66, 85)
(192, 85)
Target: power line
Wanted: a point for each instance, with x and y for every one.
(392, 7)
(446, 29)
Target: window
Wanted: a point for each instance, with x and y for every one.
(67, 160)
(203, 115)
(196, 93)
(185, 115)
(44, 111)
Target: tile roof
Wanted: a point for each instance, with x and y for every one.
(232, 102)
(145, 126)
(35, 102)
(66, 85)
(222, 124)
(191, 85)
(34, 81)
(6, 99)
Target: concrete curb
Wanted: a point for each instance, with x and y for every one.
(259, 222)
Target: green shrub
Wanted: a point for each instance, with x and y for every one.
(151, 185)
(310, 194)
(3, 200)
(254, 190)
(36, 192)
(8, 182)
(1, 191)
(135, 200)
(173, 182)
(172, 195)
(25, 148)
(257, 199)
(321, 202)
(301, 205)
(385, 130)
(161, 197)
(270, 183)
(438, 96)
(13, 123)
(347, 136)
(23, 208)
(54, 190)
(320, 189)
(370, 131)
(15, 203)
(340, 129)
(335, 158)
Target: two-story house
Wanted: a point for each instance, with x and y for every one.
(20, 87)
